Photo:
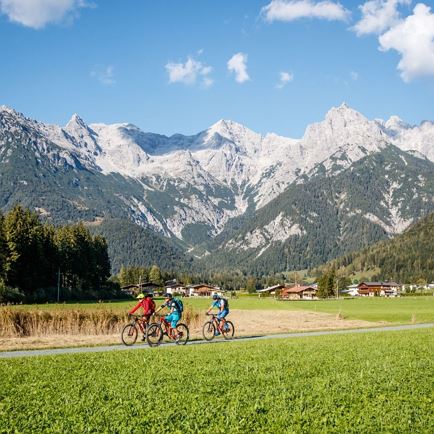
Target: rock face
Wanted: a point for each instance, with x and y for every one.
(193, 188)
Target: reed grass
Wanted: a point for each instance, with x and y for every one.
(32, 323)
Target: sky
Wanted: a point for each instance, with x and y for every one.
(180, 66)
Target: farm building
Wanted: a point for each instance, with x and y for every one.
(299, 292)
(384, 289)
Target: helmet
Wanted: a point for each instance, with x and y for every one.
(168, 295)
(149, 294)
(140, 296)
(215, 296)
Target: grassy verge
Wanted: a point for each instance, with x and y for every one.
(378, 382)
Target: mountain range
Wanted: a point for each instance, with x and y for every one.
(227, 196)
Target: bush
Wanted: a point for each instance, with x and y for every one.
(9, 295)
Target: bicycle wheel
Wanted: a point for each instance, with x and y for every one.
(183, 334)
(154, 334)
(228, 330)
(208, 331)
(129, 334)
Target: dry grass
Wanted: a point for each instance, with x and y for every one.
(19, 323)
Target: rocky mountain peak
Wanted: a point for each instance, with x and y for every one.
(76, 123)
(344, 113)
(395, 125)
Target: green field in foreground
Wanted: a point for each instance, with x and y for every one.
(373, 382)
(401, 309)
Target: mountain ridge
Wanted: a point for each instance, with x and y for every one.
(190, 188)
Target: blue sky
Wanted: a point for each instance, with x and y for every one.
(179, 66)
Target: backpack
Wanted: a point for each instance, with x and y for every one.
(225, 303)
(179, 305)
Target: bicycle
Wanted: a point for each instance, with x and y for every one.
(156, 331)
(210, 327)
(131, 331)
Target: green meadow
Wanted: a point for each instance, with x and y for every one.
(371, 383)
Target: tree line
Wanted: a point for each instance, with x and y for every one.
(37, 259)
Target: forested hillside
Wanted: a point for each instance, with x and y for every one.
(130, 244)
(408, 258)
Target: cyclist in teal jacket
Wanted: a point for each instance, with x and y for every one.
(175, 311)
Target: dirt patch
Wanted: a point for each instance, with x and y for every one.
(252, 322)
(247, 323)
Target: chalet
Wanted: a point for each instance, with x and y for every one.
(271, 290)
(352, 290)
(175, 287)
(203, 290)
(136, 288)
(373, 289)
(299, 292)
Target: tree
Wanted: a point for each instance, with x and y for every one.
(24, 236)
(326, 284)
(3, 248)
(155, 275)
(251, 285)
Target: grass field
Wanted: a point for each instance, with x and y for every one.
(395, 310)
(376, 382)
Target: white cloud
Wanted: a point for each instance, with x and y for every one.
(189, 72)
(104, 75)
(285, 78)
(284, 10)
(238, 65)
(354, 75)
(413, 38)
(378, 16)
(38, 13)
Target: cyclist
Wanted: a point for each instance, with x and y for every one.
(222, 304)
(175, 312)
(147, 303)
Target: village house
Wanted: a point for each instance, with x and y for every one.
(176, 288)
(351, 290)
(203, 290)
(383, 289)
(299, 292)
(271, 290)
(136, 288)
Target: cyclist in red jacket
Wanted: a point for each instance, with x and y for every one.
(148, 305)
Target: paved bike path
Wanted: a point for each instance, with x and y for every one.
(79, 350)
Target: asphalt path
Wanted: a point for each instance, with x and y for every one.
(138, 347)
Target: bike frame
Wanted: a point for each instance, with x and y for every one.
(165, 325)
(140, 321)
(217, 321)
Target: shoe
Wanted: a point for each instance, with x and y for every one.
(144, 338)
(216, 333)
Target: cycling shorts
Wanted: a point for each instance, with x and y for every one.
(173, 318)
(223, 314)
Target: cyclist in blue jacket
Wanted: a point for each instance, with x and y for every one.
(222, 304)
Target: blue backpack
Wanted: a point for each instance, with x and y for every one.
(179, 305)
